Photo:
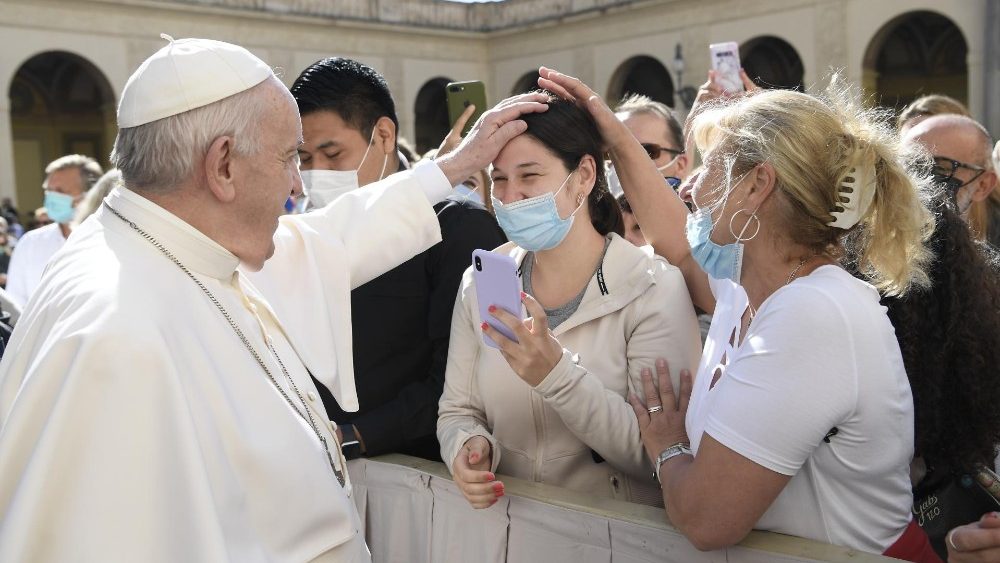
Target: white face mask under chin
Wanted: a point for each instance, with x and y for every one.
(324, 186)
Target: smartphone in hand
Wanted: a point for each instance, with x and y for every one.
(461, 95)
(726, 63)
(495, 276)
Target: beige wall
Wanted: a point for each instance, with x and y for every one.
(116, 37)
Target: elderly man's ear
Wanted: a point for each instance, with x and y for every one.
(218, 169)
(984, 185)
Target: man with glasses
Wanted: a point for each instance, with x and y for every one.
(961, 148)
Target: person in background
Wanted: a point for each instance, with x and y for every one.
(927, 106)
(949, 336)
(661, 135)
(800, 419)
(401, 320)
(659, 132)
(96, 195)
(13, 218)
(67, 180)
(39, 218)
(962, 152)
(5, 250)
(551, 406)
(983, 215)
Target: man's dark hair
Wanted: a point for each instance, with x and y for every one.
(354, 91)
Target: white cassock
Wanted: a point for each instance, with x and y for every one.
(136, 426)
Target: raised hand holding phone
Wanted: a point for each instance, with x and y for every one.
(497, 286)
(726, 64)
(461, 95)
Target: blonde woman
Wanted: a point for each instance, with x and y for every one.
(800, 420)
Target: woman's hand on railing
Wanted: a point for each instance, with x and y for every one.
(661, 412)
(471, 471)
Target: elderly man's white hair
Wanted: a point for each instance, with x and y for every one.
(160, 155)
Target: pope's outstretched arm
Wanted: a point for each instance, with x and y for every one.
(321, 256)
(386, 223)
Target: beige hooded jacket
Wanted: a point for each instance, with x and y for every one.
(576, 428)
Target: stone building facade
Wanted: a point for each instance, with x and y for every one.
(63, 63)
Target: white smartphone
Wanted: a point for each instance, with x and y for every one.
(726, 63)
(497, 284)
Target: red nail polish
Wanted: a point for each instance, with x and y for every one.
(491, 477)
(499, 494)
(523, 296)
(484, 325)
(492, 309)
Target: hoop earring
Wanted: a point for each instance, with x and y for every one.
(753, 217)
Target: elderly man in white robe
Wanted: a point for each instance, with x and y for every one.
(155, 400)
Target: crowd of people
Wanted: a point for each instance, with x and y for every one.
(779, 313)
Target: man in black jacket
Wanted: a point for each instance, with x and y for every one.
(401, 320)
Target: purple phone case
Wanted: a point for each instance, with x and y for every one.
(496, 284)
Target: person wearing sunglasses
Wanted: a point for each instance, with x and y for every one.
(961, 149)
(662, 137)
(660, 134)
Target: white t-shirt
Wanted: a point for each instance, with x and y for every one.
(28, 261)
(820, 354)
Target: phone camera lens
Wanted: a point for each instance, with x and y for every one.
(479, 264)
(455, 89)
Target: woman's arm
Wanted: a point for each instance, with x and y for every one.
(660, 213)
(662, 324)
(468, 449)
(461, 413)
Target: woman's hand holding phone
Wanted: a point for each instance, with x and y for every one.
(536, 352)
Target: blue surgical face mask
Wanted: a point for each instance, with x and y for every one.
(723, 261)
(534, 224)
(59, 206)
(719, 261)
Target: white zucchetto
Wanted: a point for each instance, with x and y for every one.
(187, 74)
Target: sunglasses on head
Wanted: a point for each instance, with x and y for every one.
(654, 151)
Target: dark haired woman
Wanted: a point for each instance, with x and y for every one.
(552, 406)
(949, 335)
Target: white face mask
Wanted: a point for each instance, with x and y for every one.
(324, 186)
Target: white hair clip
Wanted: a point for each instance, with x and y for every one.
(854, 196)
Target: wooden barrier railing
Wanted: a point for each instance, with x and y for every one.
(414, 513)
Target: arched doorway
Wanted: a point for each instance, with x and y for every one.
(915, 54)
(642, 75)
(527, 83)
(60, 104)
(772, 62)
(431, 111)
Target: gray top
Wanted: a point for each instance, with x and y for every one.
(559, 314)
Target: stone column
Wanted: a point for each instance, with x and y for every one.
(8, 186)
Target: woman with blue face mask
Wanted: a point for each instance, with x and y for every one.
(800, 418)
(552, 406)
